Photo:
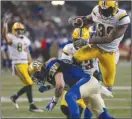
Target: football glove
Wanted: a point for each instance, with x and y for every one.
(80, 43)
(43, 88)
(51, 104)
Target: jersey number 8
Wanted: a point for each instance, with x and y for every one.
(19, 47)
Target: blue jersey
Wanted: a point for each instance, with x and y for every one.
(71, 73)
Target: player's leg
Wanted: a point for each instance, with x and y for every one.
(85, 53)
(22, 72)
(21, 91)
(64, 106)
(84, 88)
(82, 106)
(97, 104)
(71, 98)
(105, 115)
(98, 107)
(108, 68)
(87, 113)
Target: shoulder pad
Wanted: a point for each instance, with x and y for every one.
(95, 10)
(122, 14)
(67, 49)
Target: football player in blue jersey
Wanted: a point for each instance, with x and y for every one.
(59, 74)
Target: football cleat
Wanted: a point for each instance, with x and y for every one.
(33, 108)
(13, 99)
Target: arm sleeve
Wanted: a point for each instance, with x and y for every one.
(123, 18)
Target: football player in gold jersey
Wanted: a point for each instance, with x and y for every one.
(18, 45)
(111, 24)
(95, 103)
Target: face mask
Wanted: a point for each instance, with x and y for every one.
(106, 12)
(20, 33)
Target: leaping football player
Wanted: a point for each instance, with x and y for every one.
(96, 103)
(19, 53)
(111, 25)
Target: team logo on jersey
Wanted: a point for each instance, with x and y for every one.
(54, 68)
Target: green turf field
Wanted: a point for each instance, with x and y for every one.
(119, 106)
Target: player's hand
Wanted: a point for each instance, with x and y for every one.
(51, 104)
(43, 88)
(80, 42)
(76, 22)
(6, 18)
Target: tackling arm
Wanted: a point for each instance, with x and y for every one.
(114, 34)
(58, 91)
(59, 84)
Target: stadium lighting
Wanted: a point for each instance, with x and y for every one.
(57, 2)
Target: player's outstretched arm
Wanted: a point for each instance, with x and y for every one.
(5, 33)
(59, 84)
(58, 91)
(80, 21)
(114, 34)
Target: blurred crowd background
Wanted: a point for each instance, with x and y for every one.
(47, 27)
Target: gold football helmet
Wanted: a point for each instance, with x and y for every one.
(18, 29)
(34, 67)
(80, 33)
(108, 8)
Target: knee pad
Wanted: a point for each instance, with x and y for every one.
(65, 110)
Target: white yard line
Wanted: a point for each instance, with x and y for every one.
(7, 99)
(57, 107)
(117, 88)
(121, 88)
